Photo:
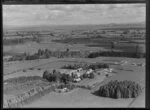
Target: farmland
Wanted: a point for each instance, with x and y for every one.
(35, 50)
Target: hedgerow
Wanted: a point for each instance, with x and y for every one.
(116, 54)
(22, 79)
(85, 66)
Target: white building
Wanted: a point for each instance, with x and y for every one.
(89, 71)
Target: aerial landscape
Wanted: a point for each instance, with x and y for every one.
(76, 56)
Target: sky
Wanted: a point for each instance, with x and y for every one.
(33, 15)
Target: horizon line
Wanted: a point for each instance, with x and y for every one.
(7, 26)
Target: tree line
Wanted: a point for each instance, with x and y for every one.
(117, 54)
(45, 53)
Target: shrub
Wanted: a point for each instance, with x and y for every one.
(61, 86)
(119, 89)
(39, 68)
(46, 74)
(88, 87)
(99, 73)
(85, 87)
(31, 68)
(24, 70)
(91, 75)
(69, 86)
(85, 75)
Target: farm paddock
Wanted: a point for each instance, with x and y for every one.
(121, 72)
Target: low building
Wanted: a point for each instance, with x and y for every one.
(89, 71)
(77, 72)
(77, 79)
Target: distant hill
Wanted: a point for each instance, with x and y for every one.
(62, 27)
(140, 24)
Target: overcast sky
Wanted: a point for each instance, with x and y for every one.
(31, 15)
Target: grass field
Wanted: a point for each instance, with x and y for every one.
(86, 99)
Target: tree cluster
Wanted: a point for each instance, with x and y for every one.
(56, 76)
(119, 89)
(85, 66)
(91, 75)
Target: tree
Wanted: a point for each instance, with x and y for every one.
(65, 78)
(54, 71)
(46, 74)
(137, 50)
(91, 75)
(67, 50)
(58, 76)
(84, 75)
(112, 46)
(118, 93)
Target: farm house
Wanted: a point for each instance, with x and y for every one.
(89, 72)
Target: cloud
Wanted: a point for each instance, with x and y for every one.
(73, 14)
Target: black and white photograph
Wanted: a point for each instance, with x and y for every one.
(74, 55)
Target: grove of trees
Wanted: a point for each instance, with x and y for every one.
(56, 76)
(119, 89)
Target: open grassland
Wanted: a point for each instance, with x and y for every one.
(78, 98)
